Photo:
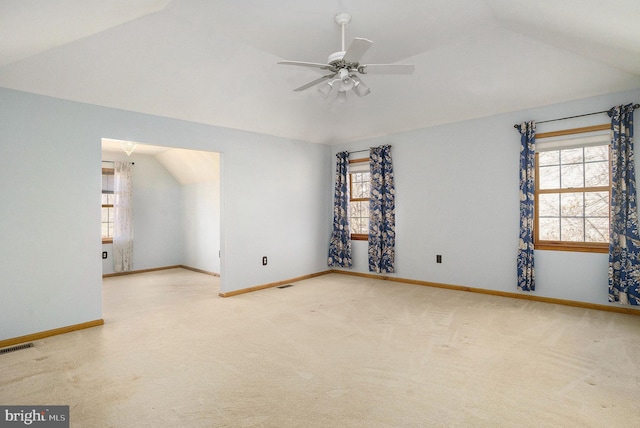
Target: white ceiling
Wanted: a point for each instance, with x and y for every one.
(214, 61)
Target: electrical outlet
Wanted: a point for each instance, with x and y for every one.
(438, 258)
(264, 261)
(104, 255)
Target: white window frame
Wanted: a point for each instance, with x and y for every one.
(357, 166)
(597, 138)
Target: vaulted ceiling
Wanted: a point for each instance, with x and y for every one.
(214, 61)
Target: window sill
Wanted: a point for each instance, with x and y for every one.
(107, 240)
(359, 237)
(580, 247)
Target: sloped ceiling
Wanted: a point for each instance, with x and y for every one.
(191, 166)
(186, 166)
(214, 61)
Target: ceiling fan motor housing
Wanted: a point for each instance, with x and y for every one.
(335, 57)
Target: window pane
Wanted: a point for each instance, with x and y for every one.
(571, 156)
(572, 229)
(105, 230)
(549, 205)
(596, 229)
(597, 204)
(354, 225)
(596, 174)
(360, 185)
(107, 182)
(359, 225)
(354, 209)
(359, 217)
(549, 177)
(572, 204)
(596, 153)
(572, 176)
(366, 189)
(365, 209)
(107, 199)
(549, 158)
(549, 229)
(356, 189)
(365, 226)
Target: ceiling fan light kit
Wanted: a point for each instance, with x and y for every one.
(344, 65)
(360, 88)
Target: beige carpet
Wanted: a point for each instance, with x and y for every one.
(333, 351)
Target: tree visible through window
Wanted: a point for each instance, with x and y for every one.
(572, 198)
(359, 186)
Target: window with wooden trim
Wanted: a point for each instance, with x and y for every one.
(359, 190)
(107, 205)
(572, 193)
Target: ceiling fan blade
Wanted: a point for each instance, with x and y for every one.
(307, 64)
(387, 69)
(356, 49)
(315, 82)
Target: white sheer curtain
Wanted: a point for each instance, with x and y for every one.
(123, 217)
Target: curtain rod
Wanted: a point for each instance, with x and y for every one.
(365, 150)
(635, 106)
(108, 161)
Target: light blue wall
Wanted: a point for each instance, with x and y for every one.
(200, 203)
(457, 195)
(272, 204)
(49, 215)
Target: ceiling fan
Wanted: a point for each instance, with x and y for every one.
(344, 66)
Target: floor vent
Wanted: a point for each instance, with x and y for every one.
(16, 348)
(285, 286)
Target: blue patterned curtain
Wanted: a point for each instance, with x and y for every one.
(340, 244)
(624, 242)
(382, 211)
(526, 272)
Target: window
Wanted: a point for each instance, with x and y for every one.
(107, 205)
(359, 189)
(573, 194)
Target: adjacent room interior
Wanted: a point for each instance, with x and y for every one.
(175, 207)
(259, 285)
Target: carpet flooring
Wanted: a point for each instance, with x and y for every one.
(332, 351)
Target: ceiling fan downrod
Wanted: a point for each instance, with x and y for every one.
(342, 19)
